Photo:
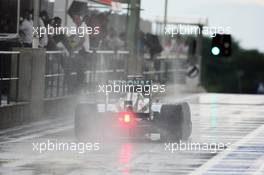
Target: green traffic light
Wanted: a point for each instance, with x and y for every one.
(215, 51)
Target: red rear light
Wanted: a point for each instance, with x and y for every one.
(127, 118)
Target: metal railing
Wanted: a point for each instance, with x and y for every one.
(165, 69)
(110, 65)
(9, 76)
(67, 74)
(54, 76)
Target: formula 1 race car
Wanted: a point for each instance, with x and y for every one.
(128, 111)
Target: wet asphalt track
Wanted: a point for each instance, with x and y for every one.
(234, 119)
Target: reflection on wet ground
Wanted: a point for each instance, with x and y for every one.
(236, 119)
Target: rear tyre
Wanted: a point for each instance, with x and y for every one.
(175, 122)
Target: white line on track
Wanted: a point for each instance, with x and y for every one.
(212, 162)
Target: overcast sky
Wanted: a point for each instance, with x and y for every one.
(245, 17)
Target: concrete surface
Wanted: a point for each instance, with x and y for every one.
(217, 118)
